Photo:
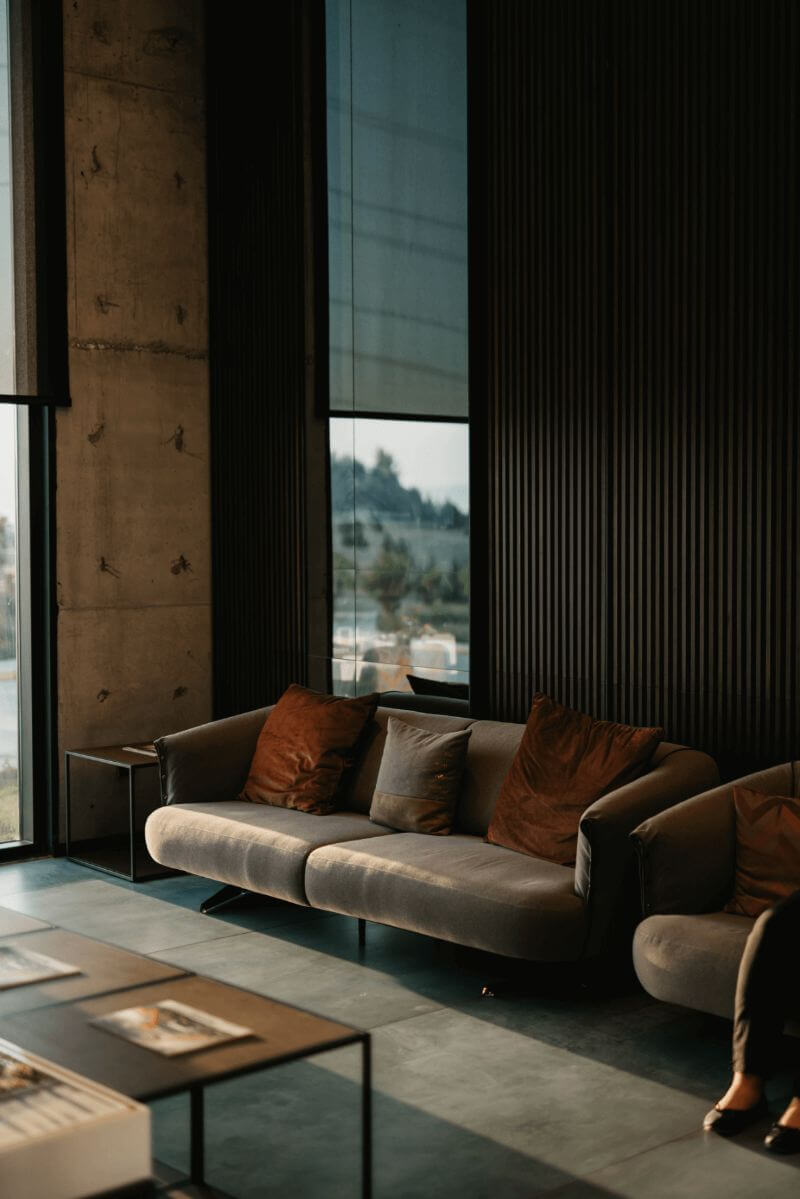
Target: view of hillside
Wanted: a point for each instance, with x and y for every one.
(9, 780)
(401, 577)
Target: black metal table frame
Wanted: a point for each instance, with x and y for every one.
(131, 769)
(197, 1138)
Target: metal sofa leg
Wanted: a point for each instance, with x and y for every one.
(362, 934)
(221, 899)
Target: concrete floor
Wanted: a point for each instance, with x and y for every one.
(556, 1092)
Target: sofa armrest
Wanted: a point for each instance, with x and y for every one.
(687, 855)
(209, 762)
(605, 869)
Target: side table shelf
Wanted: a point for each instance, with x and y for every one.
(123, 855)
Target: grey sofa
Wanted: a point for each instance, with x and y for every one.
(456, 887)
(687, 949)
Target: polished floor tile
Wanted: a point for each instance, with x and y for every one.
(100, 909)
(356, 993)
(700, 1166)
(549, 1090)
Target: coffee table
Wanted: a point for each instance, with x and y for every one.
(12, 923)
(282, 1033)
(103, 969)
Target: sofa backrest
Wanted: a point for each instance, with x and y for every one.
(492, 747)
(490, 752)
(361, 782)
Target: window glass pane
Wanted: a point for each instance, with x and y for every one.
(9, 707)
(340, 205)
(9, 704)
(6, 241)
(401, 604)
(397, 206)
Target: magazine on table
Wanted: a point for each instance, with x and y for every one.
(20, 966)
(171, 1028)
(147, 748)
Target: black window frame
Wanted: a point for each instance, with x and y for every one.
(320, 411)
(37, 88)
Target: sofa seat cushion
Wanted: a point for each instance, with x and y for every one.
(254, 846)
(692, 960)
(456, 888)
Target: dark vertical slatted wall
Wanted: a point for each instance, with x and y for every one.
(256, 264)
(641, 389)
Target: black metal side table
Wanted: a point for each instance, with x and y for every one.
(124, 855)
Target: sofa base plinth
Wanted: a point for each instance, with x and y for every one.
(221, 899)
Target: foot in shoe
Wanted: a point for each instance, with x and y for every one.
(791, 1117)
(728, 1121)
(784, 1136)
(783, 1139)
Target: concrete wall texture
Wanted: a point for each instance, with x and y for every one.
(132, 453)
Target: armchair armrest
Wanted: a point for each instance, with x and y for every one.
(210, 762)
(687, 855)
(605, 869)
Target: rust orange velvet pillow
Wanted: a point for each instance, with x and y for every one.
(307, 742)
(767, 851)
(566, 760)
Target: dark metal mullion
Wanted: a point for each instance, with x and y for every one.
(37, 401)
(427, 417)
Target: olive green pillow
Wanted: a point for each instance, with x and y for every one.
(419, 780)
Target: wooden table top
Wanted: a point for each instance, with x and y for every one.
(114, 755)
(102, 968)
(281, 1033)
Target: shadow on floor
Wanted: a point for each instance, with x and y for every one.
(609, 1020)
(295, 1130)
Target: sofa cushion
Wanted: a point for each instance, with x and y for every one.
(419, 780)
(691, 960)
(491, 751)
(307, 742)
(254, 846)
(566, 760)
(360, 783)
(457, 888)
(767, 851)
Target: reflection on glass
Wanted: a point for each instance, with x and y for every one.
(397, 206)
(9, 707)
(6, 243)
(9, 733)
(405, 608)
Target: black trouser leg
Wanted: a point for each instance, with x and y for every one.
(768, 987)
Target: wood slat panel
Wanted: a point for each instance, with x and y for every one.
(640, 394)
(256, 252)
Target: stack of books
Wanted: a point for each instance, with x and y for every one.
(63, 1136)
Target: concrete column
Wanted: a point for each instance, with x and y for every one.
(133, 521)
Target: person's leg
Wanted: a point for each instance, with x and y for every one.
(784, 1136)
(763, 992)
(765, 987)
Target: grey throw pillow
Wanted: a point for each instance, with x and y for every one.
(419, 780)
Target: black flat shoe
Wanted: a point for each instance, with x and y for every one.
(781, 1139)
(727, 1121)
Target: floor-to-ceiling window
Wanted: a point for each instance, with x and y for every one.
(397, 236)
(9, 658)
(33, 377)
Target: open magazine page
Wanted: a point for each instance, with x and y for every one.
(147, 748)
(19, 966)
(171, 1027)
